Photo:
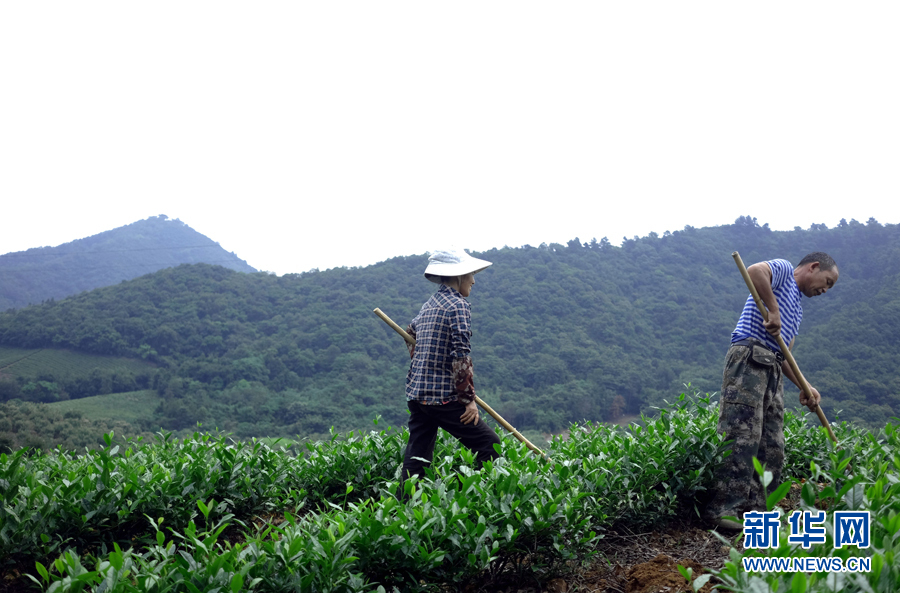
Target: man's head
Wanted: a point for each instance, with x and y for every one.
(816, 274)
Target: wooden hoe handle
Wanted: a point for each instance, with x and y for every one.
(784, 349)
(478, 400)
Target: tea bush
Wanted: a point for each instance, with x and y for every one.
(187, 506)
(859, 473)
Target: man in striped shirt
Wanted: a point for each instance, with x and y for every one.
(751, 409)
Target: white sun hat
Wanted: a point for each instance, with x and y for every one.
(452, 262)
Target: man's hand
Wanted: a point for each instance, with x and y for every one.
(813, 403)
(773, 325)
(471, 413)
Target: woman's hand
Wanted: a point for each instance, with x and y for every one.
(471, 413)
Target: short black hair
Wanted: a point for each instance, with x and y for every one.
(826, 262)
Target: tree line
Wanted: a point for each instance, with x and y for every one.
(585, 330)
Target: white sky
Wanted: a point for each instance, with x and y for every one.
(321, 134)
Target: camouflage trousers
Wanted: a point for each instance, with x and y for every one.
(751, 414)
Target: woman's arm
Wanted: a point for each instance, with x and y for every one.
(463, 373)
(411, 330)
(464, 379)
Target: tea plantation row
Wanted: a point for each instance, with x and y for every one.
(210, 514)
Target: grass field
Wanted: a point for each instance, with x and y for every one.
(30, 363)
(129, 406)
(10, 356)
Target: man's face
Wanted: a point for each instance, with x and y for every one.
(816, 281)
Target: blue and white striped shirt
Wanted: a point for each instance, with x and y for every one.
(787, 295)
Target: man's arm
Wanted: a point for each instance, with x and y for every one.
(804, 400)
(761, 275)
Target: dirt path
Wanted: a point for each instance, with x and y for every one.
(646, 562)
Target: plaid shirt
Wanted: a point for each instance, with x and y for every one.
(441, 368)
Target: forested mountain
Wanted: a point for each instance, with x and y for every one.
(43, 273)
(561, 332)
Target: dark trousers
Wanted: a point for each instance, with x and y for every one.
(424, 422)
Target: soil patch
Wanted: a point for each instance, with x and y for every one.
(648, 562)
(662, 574)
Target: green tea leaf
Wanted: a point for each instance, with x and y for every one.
(700, 581)
(758, 466)
(778, 495)
(42, 570)
(798, 583)
(808, 494)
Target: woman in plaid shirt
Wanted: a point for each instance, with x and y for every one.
(440, 390)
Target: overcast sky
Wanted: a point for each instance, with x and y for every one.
(308, 135)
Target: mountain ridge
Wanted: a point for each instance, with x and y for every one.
(126, 252)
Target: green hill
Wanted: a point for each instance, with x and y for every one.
(107, 258)
(125, 407)
(31, 363)
(49, 374)
(562, 332)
